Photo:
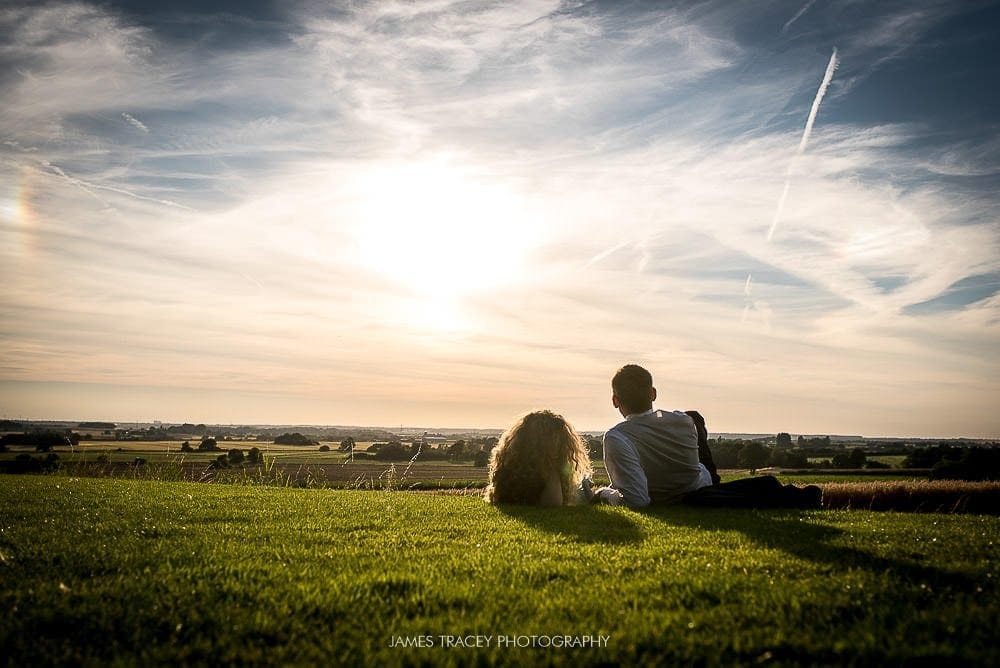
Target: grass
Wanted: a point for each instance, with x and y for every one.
(99, 571)
(947, 496)
(895, 461)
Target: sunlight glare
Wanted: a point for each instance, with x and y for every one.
(440, 232)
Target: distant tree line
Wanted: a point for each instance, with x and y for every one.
(294, 438)
(475, 449)
(950, 462)
(756, 454)
(43, 440)
(946, 460)
(236, 457)
(25, 463)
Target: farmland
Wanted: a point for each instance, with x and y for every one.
(308, 466)
(100, 570)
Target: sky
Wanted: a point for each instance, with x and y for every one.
(447, 213)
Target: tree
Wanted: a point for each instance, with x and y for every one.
(783, 441)
(456, 450)
(814, 442)
(725, 453)
(482, 459)
(753, 455)
(294, 439)
(975, 464)
(324, 448)
(393, 451)
(208, 445)
(857, 458)
(43, 440)
(347, 445)
(595, 447)
(254, 456)
(925, 458)
(235, 456)
(789, 458)
(186, 447)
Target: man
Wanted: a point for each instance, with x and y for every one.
(654, 457)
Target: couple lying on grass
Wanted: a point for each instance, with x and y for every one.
(653, 457)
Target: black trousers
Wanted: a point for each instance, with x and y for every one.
(758, 492)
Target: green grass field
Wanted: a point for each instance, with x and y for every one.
(110, 571)
(162, 451)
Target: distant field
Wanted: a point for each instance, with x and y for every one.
(307, 465)
(155, 450)
(128, 572)
(889, 460)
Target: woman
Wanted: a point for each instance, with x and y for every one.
(540, 460)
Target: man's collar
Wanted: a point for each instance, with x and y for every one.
(632, 416)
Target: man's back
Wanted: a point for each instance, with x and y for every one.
(656, 450)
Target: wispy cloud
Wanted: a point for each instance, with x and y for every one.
(797, 16)
(461, 211)
(134, 122)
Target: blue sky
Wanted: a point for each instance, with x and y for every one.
(448, 213)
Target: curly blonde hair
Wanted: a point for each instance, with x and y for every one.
(529, 452)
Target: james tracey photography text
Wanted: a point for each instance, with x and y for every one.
(499, 641)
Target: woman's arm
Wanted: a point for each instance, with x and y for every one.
(552, 494)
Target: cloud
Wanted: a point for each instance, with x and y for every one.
(797, 16)
(600, 182)
(136, 123)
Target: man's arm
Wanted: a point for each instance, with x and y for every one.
(625, 470)
(704, 452)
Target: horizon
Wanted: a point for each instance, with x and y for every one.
(405, 429)
(460, 212)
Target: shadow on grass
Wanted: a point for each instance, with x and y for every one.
(792, 532)
(582, 524)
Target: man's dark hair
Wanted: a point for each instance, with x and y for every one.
(633, 386)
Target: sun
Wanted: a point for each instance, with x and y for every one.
(441, 232)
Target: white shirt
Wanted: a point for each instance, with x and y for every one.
(678, 471)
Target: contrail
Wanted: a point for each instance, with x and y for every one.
(89, 188)
(74, 181)
(155, 200)
(798, 14)
(831, 67)
(135, 122)
(746, 294)
(781, 206)
(605, 253)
